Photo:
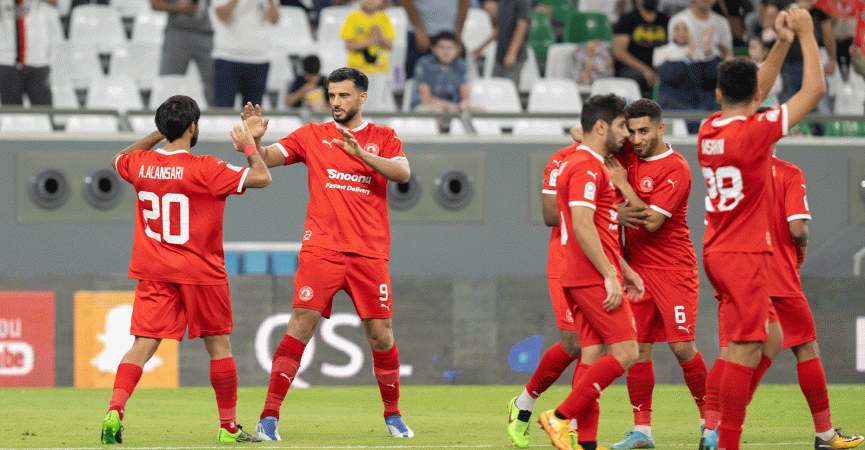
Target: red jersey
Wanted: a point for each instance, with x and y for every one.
(179, 214)
(791, 203)
(555, 259)
(664, 183)
(584, 181)
(735, 156)
(347, 209)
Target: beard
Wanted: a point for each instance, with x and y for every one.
(612, 145)
(650, 5)
(649, 148)
(349, 114)
(194, 139)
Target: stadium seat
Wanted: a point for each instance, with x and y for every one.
(217, 125)
(165, 86)
(96, 26)
(396, 58)
(582, 27)
(93, 124)
(380, 95)
(330, 21)
(679, 128)
(279, 74)
(539, 127)
(77, 65)
(626, 88)
(562, 9)
(148, 27)
(530, 73)
(25, 123)
(407, 92)
(131, 8)
(606, 8)
(138, 61)
(541, 34)
(114, 92)
(332, 54)
(293, 34)
(495, 95)
(559, 60)
(554, 95)
(477, 28)
(414, 126)
(281, 126)
(483, 127)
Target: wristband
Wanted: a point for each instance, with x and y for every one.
(250, 150)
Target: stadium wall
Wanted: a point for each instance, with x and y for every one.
(471, 296)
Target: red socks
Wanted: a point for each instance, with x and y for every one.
(286, 361)
(735, 395)
(386, 368)
(587, 420)
(695, 377)
(761, 369)
(713, 399)
(223, 378)
(124, 384)
(596, 378)
(641, 383)
(550, 368)
(812, 380)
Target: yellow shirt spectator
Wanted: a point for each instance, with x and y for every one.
(358, 27)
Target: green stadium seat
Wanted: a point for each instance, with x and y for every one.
(585, 26)
(562, 9)
(845, 128)
(541, 34)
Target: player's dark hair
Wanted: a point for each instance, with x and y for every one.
(446, 35)
(601, 107)
(737, 79)
(175, 115)
(762, 109)
(361, 82)
(311, 64)
(644, 107)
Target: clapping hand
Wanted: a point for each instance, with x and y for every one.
(241, 137)
(256, 125)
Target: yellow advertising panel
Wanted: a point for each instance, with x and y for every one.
(102, 321)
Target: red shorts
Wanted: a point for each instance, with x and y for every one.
(564, 315)
(594, 324)
(772, 317)
(668, 310)
(741, 284)
(322, 273)
(164, 310)
(796, 320)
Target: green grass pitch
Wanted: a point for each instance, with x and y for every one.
(442, 417)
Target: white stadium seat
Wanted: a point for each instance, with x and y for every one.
(93, 124)
(114, 92)
(139, 61)
(555, 95)
(293, 34)
(25, 123)
(559, 60)
(477, 28)
(148, 27)
(414, 126)
(96, 26)
(626, 88)
(330, 21)
(495, 95)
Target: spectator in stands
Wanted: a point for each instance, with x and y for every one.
(441, 78)
(686, 83)
(368, 35)
(510, 30)
(635, 37)
(758, 50)
(188, 37)
(592, 60)
(710, 31)
(25, 64)
(428, 18)
(309, 88)
(735, 12)
(239, 67)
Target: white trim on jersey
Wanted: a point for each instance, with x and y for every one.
(599, 157)
(661, 210)
(117, 158)
(548, 191)
(581, 203)
(718, 123)
(399, 157)
(799, 216)
(242, 179)
(162, 151)
(282, 149)
(661, 156)
(785, 120)
(359, 127)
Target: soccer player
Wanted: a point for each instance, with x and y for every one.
(177, 254)
(558, 357)
(346, 241)
(735, 151)
(661, 252)
(593, 271)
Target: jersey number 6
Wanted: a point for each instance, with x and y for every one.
(179, 201)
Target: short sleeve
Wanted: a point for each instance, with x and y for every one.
(772, 125)
(347, 30)
(122, 163)
(796, 199)
(392, 145)
(625, 25)
(670, 192)
(291, 147)
(222, 179)
(551, 175)
(387, 27)
(584, 183)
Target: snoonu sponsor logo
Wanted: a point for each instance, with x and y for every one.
(337, 175)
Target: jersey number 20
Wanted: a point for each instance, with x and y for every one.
(162, 207)
(725, 185)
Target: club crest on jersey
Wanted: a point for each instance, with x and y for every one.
(305, 293)
(371, 147)
(647, 184)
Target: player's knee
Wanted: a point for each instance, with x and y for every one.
(571, 343)
(626, 353)
(806, 351)
(684, 351)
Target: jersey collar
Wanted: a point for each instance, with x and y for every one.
(355, 130)
(592, 152)
(162, 151)
(661, 156)
(717, 123)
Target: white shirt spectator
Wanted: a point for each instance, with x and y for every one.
(716, 29)
(42, 23)
(246, 38)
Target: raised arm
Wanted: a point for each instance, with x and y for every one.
(257, 126)
(813, 84)
(258, 176)
(145, 143)
(768, 72)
